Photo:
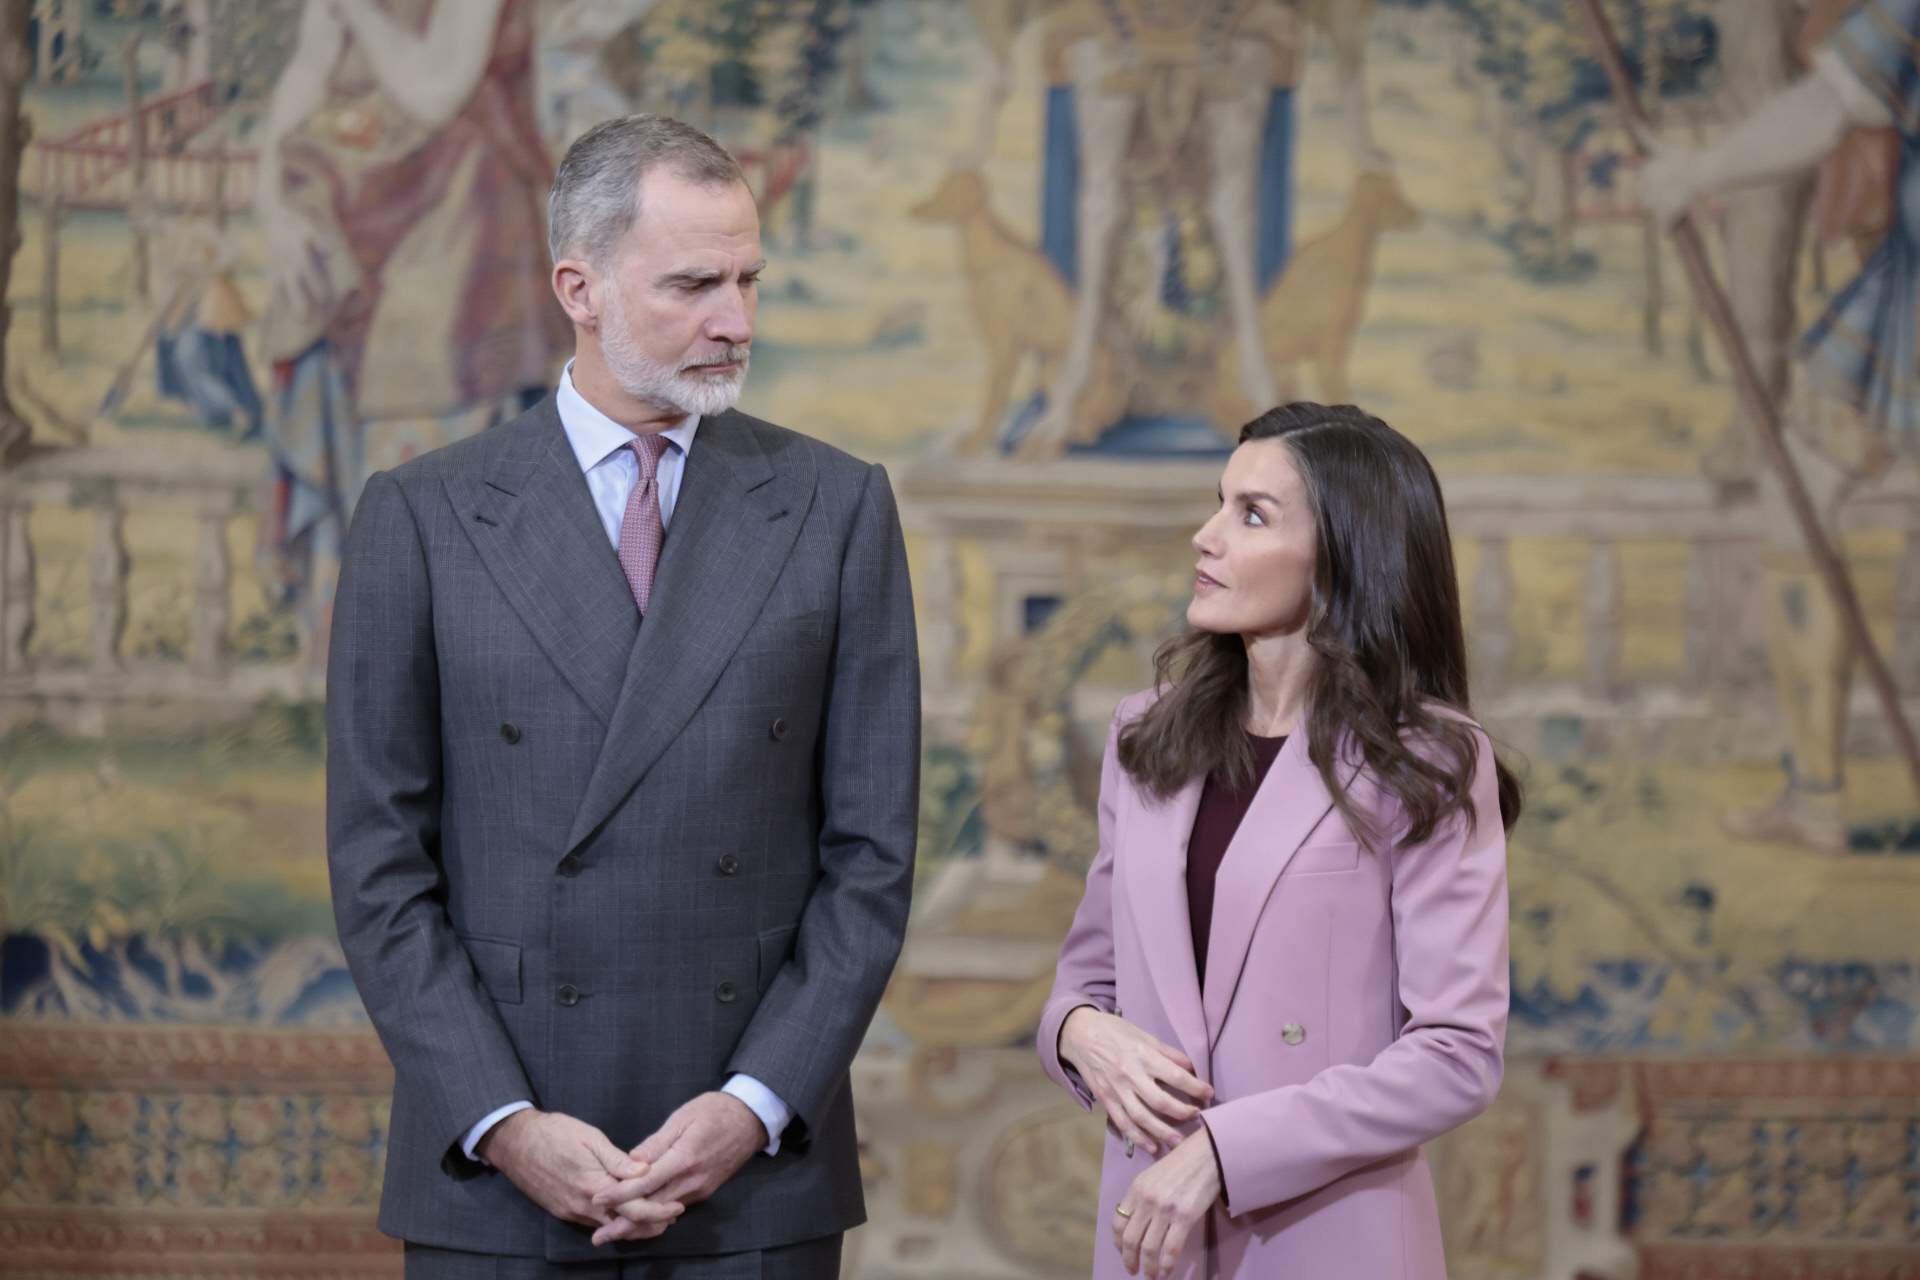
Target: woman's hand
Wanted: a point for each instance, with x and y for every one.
(1671, 180)
(1158, 1212)
(1147, 1087)
(305, 270)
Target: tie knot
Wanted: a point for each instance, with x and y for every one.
(648, 449)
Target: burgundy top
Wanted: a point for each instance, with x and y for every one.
(1221, 809)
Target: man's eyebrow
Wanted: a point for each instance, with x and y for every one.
(707, 275)
(692, 275)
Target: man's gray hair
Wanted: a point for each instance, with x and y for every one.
(596, 191)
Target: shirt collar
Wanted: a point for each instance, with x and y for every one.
(594, 436)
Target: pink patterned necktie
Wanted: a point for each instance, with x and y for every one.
(641, 531)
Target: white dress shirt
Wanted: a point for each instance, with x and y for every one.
(600, 445)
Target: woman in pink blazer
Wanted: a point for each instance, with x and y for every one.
(1289, 969)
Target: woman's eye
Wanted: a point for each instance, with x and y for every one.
(1255, 519)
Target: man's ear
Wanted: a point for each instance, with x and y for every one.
(575, 284)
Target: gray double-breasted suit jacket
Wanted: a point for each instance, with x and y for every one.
(601, 862)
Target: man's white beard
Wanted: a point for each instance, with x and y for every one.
(674, 389)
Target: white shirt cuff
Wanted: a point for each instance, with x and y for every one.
(760, 1100)
(479, 1131)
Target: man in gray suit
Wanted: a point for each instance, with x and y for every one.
(623, 743)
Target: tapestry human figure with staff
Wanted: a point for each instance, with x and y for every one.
(1856, 406)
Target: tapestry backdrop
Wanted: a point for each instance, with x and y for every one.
(1042, 258)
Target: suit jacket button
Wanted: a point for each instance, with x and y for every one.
(729, 865)
(511, 732)
(568, 995)
(570, 865)
(778, 729)
(725, 993)
(1293, 1033)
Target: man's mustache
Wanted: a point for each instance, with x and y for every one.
(731, 355)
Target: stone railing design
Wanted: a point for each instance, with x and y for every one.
(1051, 531)
(213, 488)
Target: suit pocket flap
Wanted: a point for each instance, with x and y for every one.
(1330, 855)
(498, 964)
(775, 946)
(788, 631)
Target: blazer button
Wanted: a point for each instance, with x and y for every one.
(511, 732)
(568, 995)
(778, 729)
(570, 865)
(729, 865)
(1293, 1033)
(725, 993)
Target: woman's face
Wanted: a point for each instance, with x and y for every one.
(1255, 575)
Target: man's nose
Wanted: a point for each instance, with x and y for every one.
(731, 322)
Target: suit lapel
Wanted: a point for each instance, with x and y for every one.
(734, 525)
(532, 520)
(1290, 803)
(1155, 864)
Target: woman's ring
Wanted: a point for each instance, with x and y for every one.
(1123, 1211)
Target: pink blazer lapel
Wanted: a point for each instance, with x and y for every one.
(1290, 803)
(1153, 860)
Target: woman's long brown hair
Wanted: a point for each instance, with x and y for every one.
(1384, 621)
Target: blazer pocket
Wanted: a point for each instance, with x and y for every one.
(1329, 856)
(776, 945)
(791, 631)
(498, 964)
